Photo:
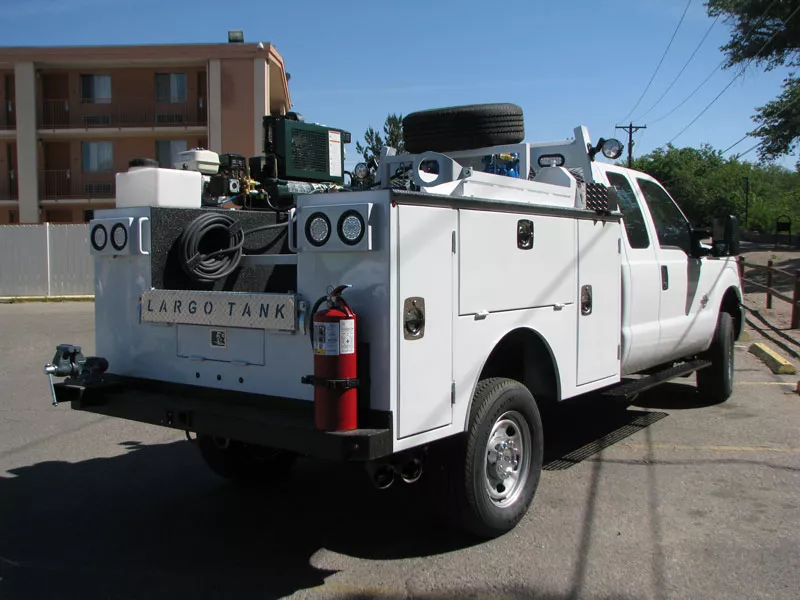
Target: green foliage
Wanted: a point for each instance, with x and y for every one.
(767, 33)
(392, 137)
(705, 185)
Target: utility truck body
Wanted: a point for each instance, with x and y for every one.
(487, 283)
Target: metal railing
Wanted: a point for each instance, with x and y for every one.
(771, 292)
(8, 116)
(67, 184)
(130, 112)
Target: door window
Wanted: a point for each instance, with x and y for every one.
(171, 88)
(632, 217)
(96, 89)
(671, 226)
(97, 156)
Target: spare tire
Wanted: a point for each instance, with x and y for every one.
(463, 127)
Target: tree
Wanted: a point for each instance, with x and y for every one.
(767, 32)
(392, 136)
(705, 185)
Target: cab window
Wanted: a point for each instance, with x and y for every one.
(635, 227)
(671, 226)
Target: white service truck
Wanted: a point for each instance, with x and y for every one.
(488, 280)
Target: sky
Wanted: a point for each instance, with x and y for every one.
(566, 64)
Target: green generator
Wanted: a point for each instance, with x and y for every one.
(301, 151)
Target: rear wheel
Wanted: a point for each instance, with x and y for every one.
(715, 383)
(245, 463)
(489, 476)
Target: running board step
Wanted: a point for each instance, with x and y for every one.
(627, 390)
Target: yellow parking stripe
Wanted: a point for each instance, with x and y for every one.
(789, 383)
(710, 448)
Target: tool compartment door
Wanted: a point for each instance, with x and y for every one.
(426, 271)
(599, 298)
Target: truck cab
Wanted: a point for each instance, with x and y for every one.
(671, 286)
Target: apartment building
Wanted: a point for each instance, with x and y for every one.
(72, 117)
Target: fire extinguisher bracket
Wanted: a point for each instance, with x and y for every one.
(331, 384)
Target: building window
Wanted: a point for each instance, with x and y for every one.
(96, 89)
(97, 156)
(171, 87)
(167, 152)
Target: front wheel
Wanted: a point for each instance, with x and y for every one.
(492, 473)
(715, 382)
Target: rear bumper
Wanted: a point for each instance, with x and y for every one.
(280, 423)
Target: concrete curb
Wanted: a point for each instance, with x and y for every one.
(15, 299)
(772, 359)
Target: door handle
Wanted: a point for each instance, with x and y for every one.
(664, 277)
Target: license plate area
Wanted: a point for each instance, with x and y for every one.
(229, 344)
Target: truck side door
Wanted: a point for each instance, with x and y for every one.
(640, 282)
(678, 271)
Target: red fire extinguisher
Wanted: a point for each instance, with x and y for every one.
(335, 379)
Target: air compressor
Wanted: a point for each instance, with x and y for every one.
(335, 378)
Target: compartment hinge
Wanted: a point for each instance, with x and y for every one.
(452, 392)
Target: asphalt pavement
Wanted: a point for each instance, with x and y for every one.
(668, 499)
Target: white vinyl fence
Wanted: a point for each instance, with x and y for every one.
(45, 260)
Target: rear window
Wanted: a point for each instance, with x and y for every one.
(635, 227)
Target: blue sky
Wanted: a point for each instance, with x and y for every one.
(352, 63)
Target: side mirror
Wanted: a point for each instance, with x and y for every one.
(697, 236)
(726, 236)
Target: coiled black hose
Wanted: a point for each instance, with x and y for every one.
(209, 231)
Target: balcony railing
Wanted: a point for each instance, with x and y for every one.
(68, 184)
(8, 116)
(99, 113)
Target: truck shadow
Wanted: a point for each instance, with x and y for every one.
(154, 522)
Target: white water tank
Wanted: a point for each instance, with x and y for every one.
(153, 186)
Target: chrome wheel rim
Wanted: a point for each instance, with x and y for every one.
(508, 457)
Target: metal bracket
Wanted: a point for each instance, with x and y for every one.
(331, 384)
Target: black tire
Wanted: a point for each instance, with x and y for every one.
(463, 128)
(715, 383)
(245, 463)
(461, 472)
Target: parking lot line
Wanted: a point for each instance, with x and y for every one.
(710, 448)
(789, 383)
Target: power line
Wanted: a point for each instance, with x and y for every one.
(678, 76)
(660, 62)
(690, 96)
(776, 115)
(717, 68)
(736, 143)
(732, 81)
(748, 151)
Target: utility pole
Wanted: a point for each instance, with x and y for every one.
(631, 129)
(746, 199)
